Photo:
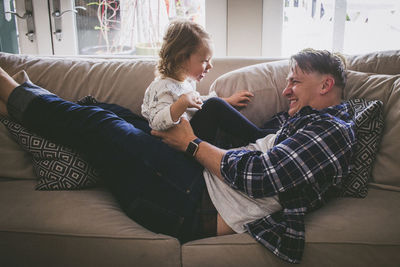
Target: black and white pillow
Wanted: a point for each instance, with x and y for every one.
(57, 167)
(368, 118)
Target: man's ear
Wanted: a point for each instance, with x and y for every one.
(327, 85)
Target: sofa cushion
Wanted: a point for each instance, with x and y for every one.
(386, 88)
(15, 162)
(384, 62)
(58, 167)
(266, 81)
(368, 118)
(75, 228)
(346, 232)
(112, 80)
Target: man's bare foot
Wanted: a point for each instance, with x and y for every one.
(7, 85)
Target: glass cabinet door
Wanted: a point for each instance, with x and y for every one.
(129, 26)
(93, 27)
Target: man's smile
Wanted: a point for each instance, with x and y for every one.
(292, 102)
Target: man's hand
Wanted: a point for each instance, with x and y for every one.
(239, 99)
(178, 136)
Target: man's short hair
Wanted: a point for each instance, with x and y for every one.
(322, 61)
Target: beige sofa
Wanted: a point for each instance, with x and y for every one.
(87, 228)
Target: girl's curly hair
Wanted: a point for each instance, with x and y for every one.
(181, 40)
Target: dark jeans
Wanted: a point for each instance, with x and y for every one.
(156, 185)
(216, 114)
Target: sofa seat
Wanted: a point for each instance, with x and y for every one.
(85, 227)
(341, 226)
(92, 230)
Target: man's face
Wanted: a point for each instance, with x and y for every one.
(303, 89)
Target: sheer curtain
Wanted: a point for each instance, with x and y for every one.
(143, 23)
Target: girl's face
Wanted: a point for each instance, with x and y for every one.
(199, 63)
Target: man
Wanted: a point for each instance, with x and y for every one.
(311, 154)
(283, 176)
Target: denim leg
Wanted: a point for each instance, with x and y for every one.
(104, 137)
(126, 114)
(141, 170)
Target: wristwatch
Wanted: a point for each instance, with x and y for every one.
(193, 146)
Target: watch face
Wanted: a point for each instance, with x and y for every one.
(192, 148)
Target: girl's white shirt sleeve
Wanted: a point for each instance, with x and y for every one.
(159, 97)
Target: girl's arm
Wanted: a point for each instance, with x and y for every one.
(238, 100)
(156, 108)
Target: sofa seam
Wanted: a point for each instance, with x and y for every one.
(80, 235)
(328, 243)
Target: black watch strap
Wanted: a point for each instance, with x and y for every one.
(193, 146)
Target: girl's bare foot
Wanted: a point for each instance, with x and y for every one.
(7, 85)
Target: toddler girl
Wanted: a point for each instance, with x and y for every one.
(185, 58)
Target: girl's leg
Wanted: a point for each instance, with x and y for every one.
(216, 113)
(141, 170)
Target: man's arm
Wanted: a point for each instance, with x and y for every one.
(210, 157)
(182, 134)
(319, 153)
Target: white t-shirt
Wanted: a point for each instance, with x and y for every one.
(235, 207)
(159, 97)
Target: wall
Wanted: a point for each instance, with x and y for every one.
(238, 27)
(244, 32)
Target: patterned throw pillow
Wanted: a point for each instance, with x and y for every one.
(57, 167)
(368, 117)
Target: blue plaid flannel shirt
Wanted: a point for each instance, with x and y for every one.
(312, 153)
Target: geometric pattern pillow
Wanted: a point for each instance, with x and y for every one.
(369, 122)
(57, 167)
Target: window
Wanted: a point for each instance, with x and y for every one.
(270, 28)
(307, 25)
(129, 26)
(347, 26)
(372, 26)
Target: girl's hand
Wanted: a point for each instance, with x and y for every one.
(191, 100)
(239, 99)
(185, 101)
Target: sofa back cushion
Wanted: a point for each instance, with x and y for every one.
(385, 62)
(387, 89)
(266, 81)
(119, 81)
(15, 162)
(116, 80)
